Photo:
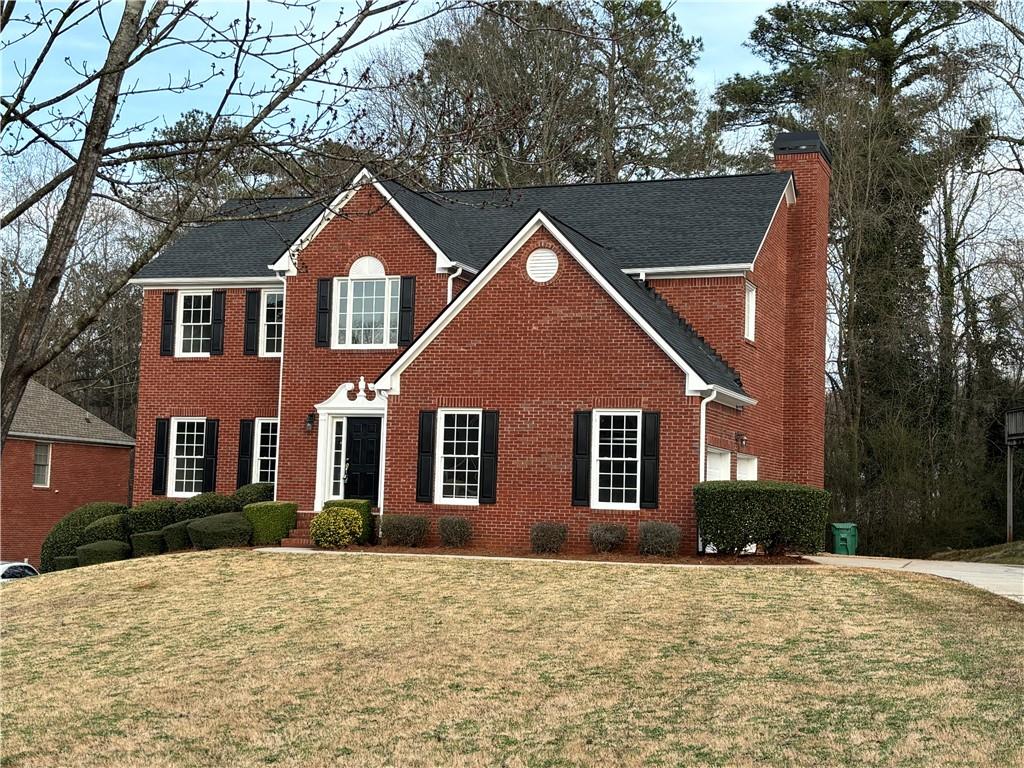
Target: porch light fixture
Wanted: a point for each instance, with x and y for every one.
(310, 418)
(741, 439)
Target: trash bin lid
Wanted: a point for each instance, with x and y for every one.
(844, 526)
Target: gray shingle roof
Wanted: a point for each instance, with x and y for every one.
(44, 413)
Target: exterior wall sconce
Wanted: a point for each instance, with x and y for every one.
(741, 439)
(310, 418)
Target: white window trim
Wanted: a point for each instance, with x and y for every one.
(179, 339)
(710, 451)
(336, 298)
(595, 479)
(49, 464)
(172, 457)
(749, 311)
(741, 457)
(263, 322)
(257, 427)
(439, 456)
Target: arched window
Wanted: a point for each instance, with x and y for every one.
(366, 306)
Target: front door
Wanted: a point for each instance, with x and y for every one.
(362, 454)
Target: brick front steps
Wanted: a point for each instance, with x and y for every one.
(299, 537)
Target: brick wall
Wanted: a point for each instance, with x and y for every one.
(79, 473)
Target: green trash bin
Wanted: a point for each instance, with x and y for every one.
(844, 538)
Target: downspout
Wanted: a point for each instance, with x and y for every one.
(451, 279)
(280, 376)
(701, 449)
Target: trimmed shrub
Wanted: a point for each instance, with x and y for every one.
(206, 505)
(230, 529)
(64, 562)
(63, 537)
(109, 528)
(607, 537)
(779, 516)
(147, 543)
(658, 538)
(336, 527)
(176, 537)
(404, 530)
(548, 537)
(102, 552)
(454, 531)
(363, 507)
(254, 493)
(271, 520)
(152, 515)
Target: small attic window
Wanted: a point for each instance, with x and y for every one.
(541, 265)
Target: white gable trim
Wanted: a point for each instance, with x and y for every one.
(391, 378)
(789, 195)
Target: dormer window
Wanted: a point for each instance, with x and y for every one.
(366, 306)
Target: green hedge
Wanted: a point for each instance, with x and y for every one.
(363, 507)
(254, 493)
(404, 530)
(64, 562)
(64, 536)
(152, 515)
(102, 552)
(336, 527)
(109, 528)
(454, 531)
(607, 537)
(147, 543)
(271, 520)
(657, 538)
(548, 538)
(176, 537)
(780, 517)
(206, 505)
(230, 529)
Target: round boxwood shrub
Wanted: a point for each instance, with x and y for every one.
(548, 538)
(64, 536)
(109, 528)
(779, 516)
(404, 530)
(656, 538)
(271, 520)
(152, 515)
(254, 493)
(64, 562)
(206, 505)
(336, 527)
(607, 537)
(147, 543)
(230, 529)
(175, 536)
(454, 531)
(102, 552)
(364, 508)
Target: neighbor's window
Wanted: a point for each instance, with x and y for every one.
(195, 318)
(272, 323)
(746, 467)
(41, 465)
(188, 440)
(615, 470)
(265, 467)
(366, 306)
(750, 311)
(458, 465)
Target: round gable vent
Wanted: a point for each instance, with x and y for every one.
(541, 265)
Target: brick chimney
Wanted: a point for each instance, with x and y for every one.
(806, 155)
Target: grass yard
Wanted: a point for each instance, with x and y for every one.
(1004, 554)
(240, 658)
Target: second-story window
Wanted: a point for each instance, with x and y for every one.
(750, 312)
(195, 321)
(366, 306)
(271, 323)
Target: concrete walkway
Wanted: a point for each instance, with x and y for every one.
(1004, 580)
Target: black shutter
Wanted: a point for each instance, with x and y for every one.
(167, 323)
(489, 459)
(581, 459)
(210, 456)
(425, 457)
(406, 311)
(323, 312)
(246, 440)
(217, 324)
(160, 449)
(252, 322)
(650, 442)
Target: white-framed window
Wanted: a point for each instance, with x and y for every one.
(457, 474)
(41, 465)
(271, 322)
(746, 467)
(717, 464)
(366, 306)
(195, 323)
(749, 311)
(188, 446)
(264, 468)
(615, 460)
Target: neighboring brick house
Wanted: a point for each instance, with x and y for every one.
(57, 457)
(576, 353)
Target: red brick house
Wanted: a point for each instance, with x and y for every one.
(573, 353)
(57, 457)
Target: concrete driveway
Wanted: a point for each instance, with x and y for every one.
(1005, 580)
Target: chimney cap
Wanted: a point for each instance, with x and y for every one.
(801, 142)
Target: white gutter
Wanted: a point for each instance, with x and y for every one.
(451, 279)
(702, 448)
(280, 375)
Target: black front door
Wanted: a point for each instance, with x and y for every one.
(362, 449)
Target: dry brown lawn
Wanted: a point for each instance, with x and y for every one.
(252, 659)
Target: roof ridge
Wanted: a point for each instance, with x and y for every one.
(612, 183)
